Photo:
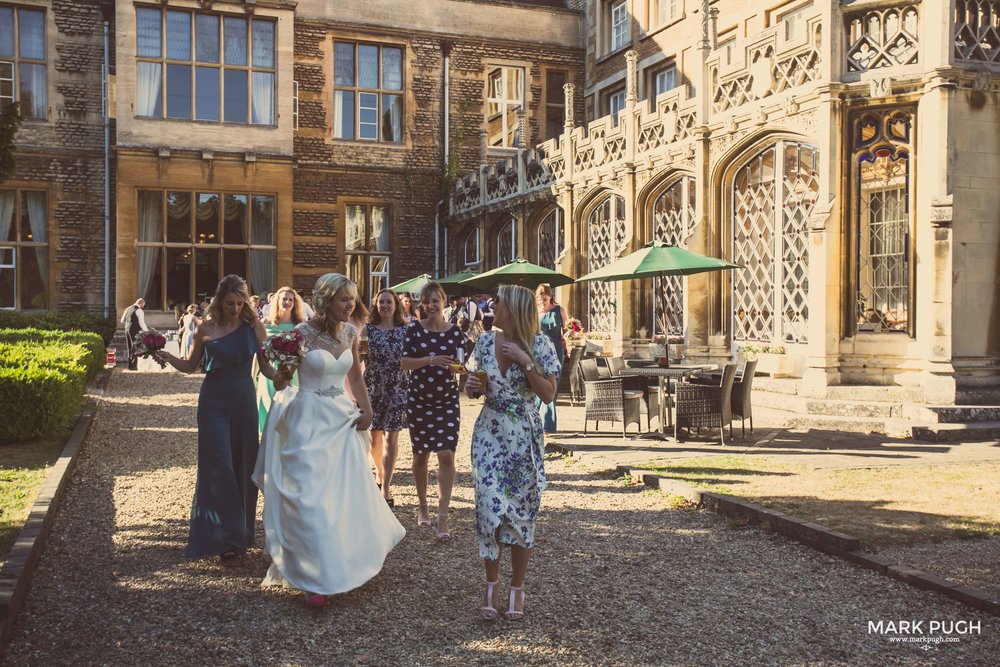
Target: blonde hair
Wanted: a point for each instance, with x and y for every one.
(275, 306)
(231, 284)
(520, 304)
(326, 288)
(430, 289)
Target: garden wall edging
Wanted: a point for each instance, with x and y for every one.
(816, 536)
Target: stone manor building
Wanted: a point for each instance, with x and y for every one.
(846, 153)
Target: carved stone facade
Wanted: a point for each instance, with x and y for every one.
(795, 129)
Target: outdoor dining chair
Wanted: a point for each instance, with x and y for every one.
(607, 399)
(616, 365)
(741, 396)
(700, 406)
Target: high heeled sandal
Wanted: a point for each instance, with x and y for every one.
(315, 600)
(512, 614)
(489, 612)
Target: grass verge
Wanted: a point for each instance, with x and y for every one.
(23, 468)
(884, 506)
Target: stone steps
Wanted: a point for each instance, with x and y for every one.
(969, 432)
(824, 406)
(951, 414)
(852, 424)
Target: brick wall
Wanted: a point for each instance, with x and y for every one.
(65, 154)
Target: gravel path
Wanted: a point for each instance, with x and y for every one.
(619, 578)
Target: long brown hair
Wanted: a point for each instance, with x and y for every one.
(231, 284)
(397, 313)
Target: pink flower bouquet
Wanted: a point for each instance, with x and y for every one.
(148, 343)
(287, 348)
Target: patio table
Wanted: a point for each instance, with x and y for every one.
(664, 376)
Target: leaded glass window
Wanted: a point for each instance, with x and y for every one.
(605, 241)
(882, 221)
(673, 223)
(506, 243)
(367, 247)
(551, 232)
(773, 194)
(472, 247)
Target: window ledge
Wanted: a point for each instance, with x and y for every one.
(214, 123)
(396, 145)
(610, 54)
(668, 24)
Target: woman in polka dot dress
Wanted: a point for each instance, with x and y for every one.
(431, 347)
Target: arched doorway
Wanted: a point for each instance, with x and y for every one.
(605, 240)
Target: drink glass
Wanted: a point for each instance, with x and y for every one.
(482, 377)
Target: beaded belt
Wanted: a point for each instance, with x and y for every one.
(329, 392)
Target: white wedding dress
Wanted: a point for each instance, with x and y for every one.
(327, 527)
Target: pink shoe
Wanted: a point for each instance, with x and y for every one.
(512, 614)
(315, 600)
(489, 612)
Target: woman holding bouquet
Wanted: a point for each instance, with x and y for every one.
(552, 319)
(284, 314)
(521, 365)
(386, 384)
(225, 499)
(328, 529)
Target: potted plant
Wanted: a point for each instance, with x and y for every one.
(658, 347)
(676, 345)
(771, 359)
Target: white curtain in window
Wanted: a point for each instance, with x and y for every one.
(262, 271)
(147, 89)
(6, 213)
(37, 221)
(263, 98)
(33, 91)
(150, 224)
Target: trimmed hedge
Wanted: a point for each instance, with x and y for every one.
(41, 386)
(91, 342)
(57, 320)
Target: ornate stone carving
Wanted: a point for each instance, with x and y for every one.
(942, 211)
(880, 38)
(977, 30)
(880, 86)
(820, 215)
(568, 92)
(631, 78)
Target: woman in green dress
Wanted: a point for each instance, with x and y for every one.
(284, 314)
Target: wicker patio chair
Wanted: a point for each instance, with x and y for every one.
(616, 365)
(572, 378)
(700, 406)
(741, 396)
(606, 399)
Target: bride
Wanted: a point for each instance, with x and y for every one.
(328, 529)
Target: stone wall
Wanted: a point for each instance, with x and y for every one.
(65, 154)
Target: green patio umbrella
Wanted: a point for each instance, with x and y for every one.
(413, 285)
(519, 272)
(452, 284)
(657, 259)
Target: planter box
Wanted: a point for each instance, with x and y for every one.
(776, 365)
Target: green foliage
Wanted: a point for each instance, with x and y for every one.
(10, 122)
(58, 320)
(42, 379)
(90, 341)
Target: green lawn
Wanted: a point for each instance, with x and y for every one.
(23, 467)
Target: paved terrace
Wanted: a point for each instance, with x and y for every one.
(619, 578)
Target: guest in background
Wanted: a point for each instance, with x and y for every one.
(257, 306)
(521, 365)
(387, 383)
(283, 315)
(179, 311)
(135, 321)
(225, 498)
(552, 318)
(430, 350)
(486, 307)
(409, 312)
(189, 324)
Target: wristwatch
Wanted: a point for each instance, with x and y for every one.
(530, 366)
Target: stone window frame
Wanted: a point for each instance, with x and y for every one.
(193, 245)
(364, 264)
(221, 66)
(779, 16)
(607, 106)
(610, 9)
(15, 259)
(10, 65)
(653, 74)
(554, 102)
(507, 105)
(381, 92)
(471, 236)
(897, 146)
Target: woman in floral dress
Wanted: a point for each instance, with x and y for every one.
(508, 442)
(386, 384)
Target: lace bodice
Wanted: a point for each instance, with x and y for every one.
(327, 360)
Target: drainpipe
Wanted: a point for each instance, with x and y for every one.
(107, 176)
(446, 51)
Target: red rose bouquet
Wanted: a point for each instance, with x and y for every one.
(287, 348)
(150, 342)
